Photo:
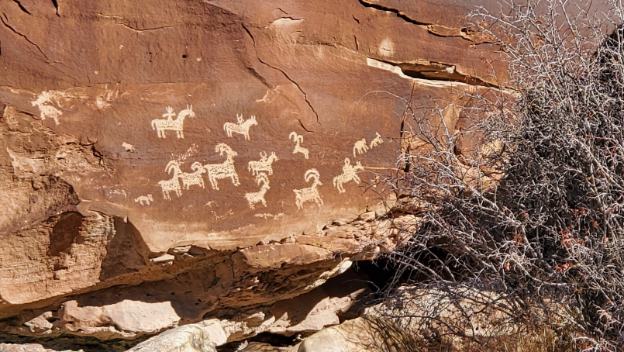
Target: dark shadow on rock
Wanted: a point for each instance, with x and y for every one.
(126, 252)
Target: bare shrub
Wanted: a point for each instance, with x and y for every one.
(536, 213)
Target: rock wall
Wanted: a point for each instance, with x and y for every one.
(162, 162)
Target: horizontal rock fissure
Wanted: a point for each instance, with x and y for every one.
(398, 13)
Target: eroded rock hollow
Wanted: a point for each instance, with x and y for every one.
(170, 162)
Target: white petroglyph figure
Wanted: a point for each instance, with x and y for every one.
(360, 147)
(310, 193)
(225, 169)
(258, 197)
(46, 109)
(241, 126)
(349, 173)
(298, 139)
(144, 200)
(193, 178)
(172, 184)
(376, 141)
(263, 165)
(128, 147)
(170, 124)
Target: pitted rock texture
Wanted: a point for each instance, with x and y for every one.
(194, 155)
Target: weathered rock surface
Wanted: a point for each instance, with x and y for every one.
(123, 218)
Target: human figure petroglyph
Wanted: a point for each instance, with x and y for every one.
(172, 184)
(241, 126)
(258, 197)
(298, 139)
(225, 169)
(376, 141)
(145, 200)
(193, 178)
(360, 147)
(46, 109)
(170, 124)
(263, 165)
(349, 173)
(309, 193)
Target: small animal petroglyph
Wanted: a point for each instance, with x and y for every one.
(172, 184)
(360, 147)
(376, 141)
(241, 126)
(45, 104)
(144, 200)
(193, 178)
(210, 204)
(310, 193)
(263, 165)
(267, 216)
(349, 173)
(258, 197)
(170, 124)
(128, 147)
(298, 139)
(225, 169)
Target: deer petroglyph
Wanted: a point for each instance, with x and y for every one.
(376, 141)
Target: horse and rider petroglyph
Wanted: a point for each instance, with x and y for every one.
(349, 173)
(170, 124)
(263, 165)
(309, 194)
(241, 126)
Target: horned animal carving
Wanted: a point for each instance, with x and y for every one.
(172, 184)
(298, 139)
(258, 197)
(241, 126)
(193, 178)
(170, 124)
(309, 194)
(46, 109)
(225, 169)
(263, 165)
(349, 173)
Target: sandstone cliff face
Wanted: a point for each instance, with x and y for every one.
(163, 162)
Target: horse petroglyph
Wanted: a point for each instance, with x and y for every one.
(376, 141)
(241, 126)
(311, 193)
(170, 124)
(225, 169)
(45, 103)
(263, 165)
(172, 184)
(360, 147)
(349, 173)
(298, 139)
(258, 197)
(144, 200)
